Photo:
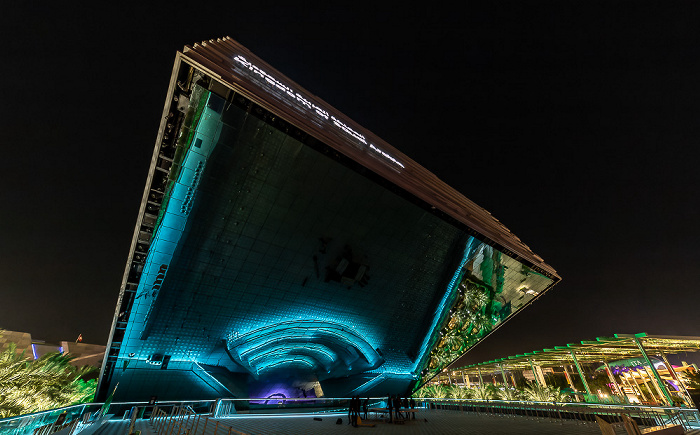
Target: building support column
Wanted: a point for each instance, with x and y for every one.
(626, 383)
(568, 378)
(534, 374)
(580, 372)
(540, 374)
(505, 380)
(641, 392)
(660, 383)
(675, 376)
(481, 380)
(656, 386)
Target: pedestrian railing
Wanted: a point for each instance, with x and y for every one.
(580, 413)
(184, 421)
(204, 417)
(79, 418)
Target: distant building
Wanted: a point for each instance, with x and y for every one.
(22, 340)
(83, 354)
(282, 250)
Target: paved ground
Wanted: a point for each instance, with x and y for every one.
(438, 422)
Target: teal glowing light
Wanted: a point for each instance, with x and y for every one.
(322, 344)
(287, 362)
(440, 312)
(322, 354)
(171, 228)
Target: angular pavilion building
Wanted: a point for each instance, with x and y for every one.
(282, 250)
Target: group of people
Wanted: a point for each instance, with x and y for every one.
(354, 410)
(396, 403)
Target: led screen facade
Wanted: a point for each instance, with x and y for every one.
(266, 263)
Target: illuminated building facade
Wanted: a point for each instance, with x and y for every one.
(282, 249)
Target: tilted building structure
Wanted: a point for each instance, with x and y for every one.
(283, 250)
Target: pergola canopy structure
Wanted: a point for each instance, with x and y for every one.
(620, 346)
(628, 355)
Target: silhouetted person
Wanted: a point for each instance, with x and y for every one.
(397, 407)
(390, 405)
(413, 406)
(365, 405)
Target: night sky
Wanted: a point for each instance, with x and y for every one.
(576, 124)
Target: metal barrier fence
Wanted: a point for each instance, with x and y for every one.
(86, 416)
(581, 413)
(201, 417)
(185, 421)
(82, 417)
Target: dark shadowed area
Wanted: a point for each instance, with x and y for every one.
(574, 123)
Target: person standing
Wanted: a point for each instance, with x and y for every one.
(390, 405)
(397, 407)
(355, 404)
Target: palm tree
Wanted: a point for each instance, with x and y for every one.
(453, 340)
(543, 393)
(480, 323)
(483, 393)
(536, 392)
(460, 393)
(557, 395)
(508, 393)
(475, 298)
(49, 382)
(437, 391)
(459, 317)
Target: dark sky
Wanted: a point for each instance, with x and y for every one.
(575, 123)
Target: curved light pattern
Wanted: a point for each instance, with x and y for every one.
(306, 105)
(321, 352)
(326, 346)
(322, 359)
(286, 362)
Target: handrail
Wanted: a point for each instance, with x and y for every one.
(582, 412)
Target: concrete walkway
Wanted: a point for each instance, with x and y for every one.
(121, 427)
(438, 423)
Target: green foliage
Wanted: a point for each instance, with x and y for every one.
(510, 393)
(694, 380)
(49, 382)
(540, 393)
(484, 393)
(457, 392)
(437, 391)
